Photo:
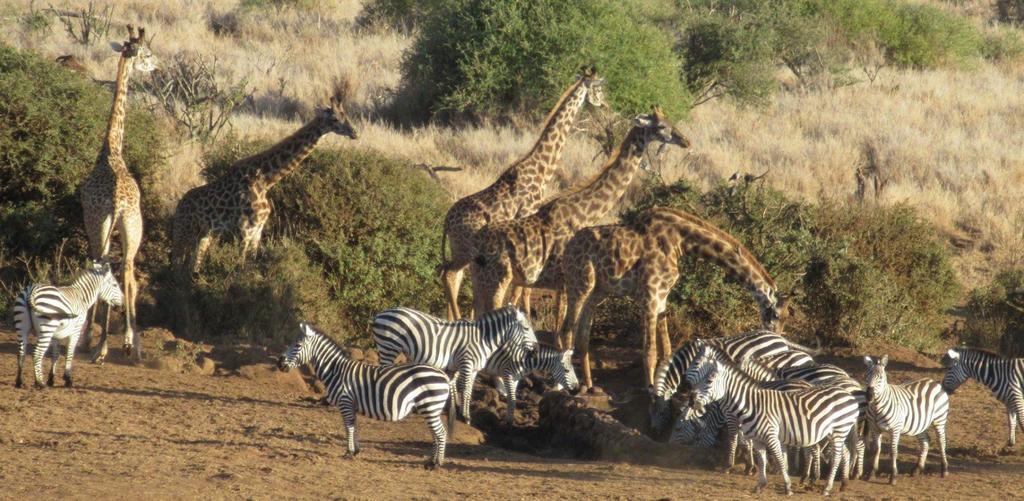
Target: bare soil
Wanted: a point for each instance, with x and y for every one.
(165, 432)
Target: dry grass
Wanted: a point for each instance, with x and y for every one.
(947, 141)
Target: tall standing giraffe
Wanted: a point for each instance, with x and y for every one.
(236, 202)
(641, 261)
(517, 252)
(519, 190)
(110, 196)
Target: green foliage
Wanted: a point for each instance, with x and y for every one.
(368, 228)
(52, 124)
(1003, 44)
(995, 314)
(864, 272)
(497, 56)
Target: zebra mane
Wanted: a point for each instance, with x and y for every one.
(736, 369)
(331, 343)
(498, 313)
(982, 352)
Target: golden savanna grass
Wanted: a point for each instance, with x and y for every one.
(948, 141)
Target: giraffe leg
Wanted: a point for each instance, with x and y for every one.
(664, 343)
(131, 238)
(583, 340)
(560, 308)
(200, 251)
(99, 354)
(526, 302)
(650, 326)
(452, 280)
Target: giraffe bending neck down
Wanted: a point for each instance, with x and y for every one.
(641, 261)
(519, 190)
(236, 202)
(518, 252)
(110, 196)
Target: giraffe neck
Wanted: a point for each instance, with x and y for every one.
(687, 233)
(115, 126)
(587, 205)
(548, 148)
(272, 165)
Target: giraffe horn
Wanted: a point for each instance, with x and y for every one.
(142, 34)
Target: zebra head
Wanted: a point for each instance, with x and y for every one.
(300, 352)
(956, 371)
(875, 377)
(711, 388)
(109, 291)
(564, 373)
(685, 429)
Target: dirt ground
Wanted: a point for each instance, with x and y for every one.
(128, 431)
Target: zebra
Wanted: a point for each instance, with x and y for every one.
(511, 365)
(669, 375)
(699, 429)
(786, 359)
(900, 409)
(1003, 376)
(385, 393)
(58, 313)
(461, 346)
(772, 419)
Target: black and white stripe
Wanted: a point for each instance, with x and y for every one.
(901, 409)
(58, 314)
(460, 346)
(384, 393)
(773, 419)
(1003, 376)
(511, 364)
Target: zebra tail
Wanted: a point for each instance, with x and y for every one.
(450, 407)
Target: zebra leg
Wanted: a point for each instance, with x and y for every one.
(440, 440)
(779, 454)
(940, 431)
(732, 428)
(22, 347)
(42, 344)
(1015, 404)
(69, 356)
(923, 458)
(762, 466)
(99, 354)
(876, 436)
(348, 415)
(837, 444)
(501, 384)
(511, 385)
(466, 378)
(894, 449)
(54, 358)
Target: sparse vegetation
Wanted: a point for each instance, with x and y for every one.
(995, 315)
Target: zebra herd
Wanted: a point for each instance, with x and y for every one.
(762, 390)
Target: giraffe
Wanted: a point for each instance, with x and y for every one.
(641, 261)
(236, 202)
(110, 196)
(519, 190)
(517, 252)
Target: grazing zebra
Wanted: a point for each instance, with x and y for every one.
(56, 313)
(384, 393)
(461, 346)
(900, 409)
(773, 419)
(511, 363)
(669, 376)
(786, 359)
(1004, 376)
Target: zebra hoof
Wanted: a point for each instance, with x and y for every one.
(127, 350)
(67, 382)
(40, 386)
(49, 381)
(433, 465)
(892, 479)
(945, 473)
(18, 383)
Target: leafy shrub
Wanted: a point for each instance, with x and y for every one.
(369, 231)
(52, 125)
(863, 272)
(496, 56)
(995, 314)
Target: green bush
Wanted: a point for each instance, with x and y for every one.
(863, 272)
(52, 124)
(499, 56)
(369, 231)
(995, 315)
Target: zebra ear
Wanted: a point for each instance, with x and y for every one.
(885, 360)
(868, 361)
(953, 355)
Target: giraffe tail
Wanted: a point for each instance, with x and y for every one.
(440, 269)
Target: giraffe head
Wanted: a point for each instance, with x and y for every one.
(333, 117)
(776, 309)
(657, 127)
(594, 85)
(136, 51)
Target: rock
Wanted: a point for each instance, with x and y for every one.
(465, 434)
(291, 380)
(205, 365)
(371, 357)
(356, 354)
(165, 363)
